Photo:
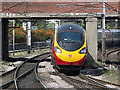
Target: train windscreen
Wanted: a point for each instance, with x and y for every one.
(70, 40)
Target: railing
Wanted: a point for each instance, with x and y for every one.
(23, 46)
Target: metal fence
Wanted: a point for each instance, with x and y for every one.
(23, 46)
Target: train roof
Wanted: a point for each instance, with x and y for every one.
(70, 26)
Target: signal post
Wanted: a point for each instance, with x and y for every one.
(29, 36)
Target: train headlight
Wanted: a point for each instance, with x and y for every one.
(83, 50)
(57, 50)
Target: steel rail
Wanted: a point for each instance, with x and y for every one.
(27, 61)
(33, 68)
(37, 77)
(8, 84)
(5, 73)
(22, 75)
(104, 81)
(12, 81)
(118, 54)
(112, 51)
(92, 84)
(7, 78)
(15, 75)
(92, 81)
(78, 85)
(69, 81)
(115, 63)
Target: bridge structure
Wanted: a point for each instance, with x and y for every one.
(89, 12)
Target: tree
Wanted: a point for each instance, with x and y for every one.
(41, 25)
(20, 35)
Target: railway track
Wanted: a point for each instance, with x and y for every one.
(7, 78)
(114, 56)
(83, 81)
(99, 82)
(79, 82)
(118, 54)
(113, 59)
(104, 82)
(25, 76)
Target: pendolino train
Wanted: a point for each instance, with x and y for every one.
(69, 47)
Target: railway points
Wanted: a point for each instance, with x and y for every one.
(49, 77)
(22, 73)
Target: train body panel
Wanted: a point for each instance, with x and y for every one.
(69, 46)
(112, 38)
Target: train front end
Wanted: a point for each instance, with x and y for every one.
(69, 47)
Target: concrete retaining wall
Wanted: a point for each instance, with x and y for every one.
(91, 33)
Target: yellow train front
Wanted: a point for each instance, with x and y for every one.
(69, 47)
